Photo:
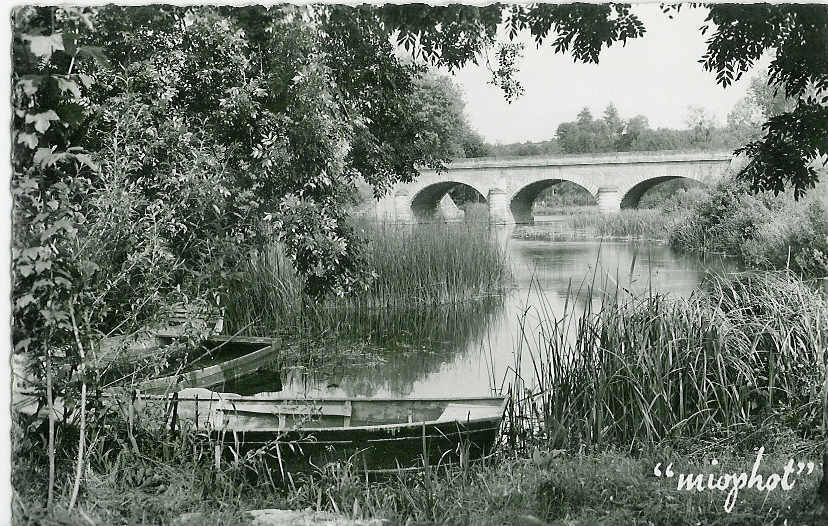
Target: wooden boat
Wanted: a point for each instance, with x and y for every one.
(234, 357)
(374, 435)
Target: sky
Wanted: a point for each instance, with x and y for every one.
(657, 76)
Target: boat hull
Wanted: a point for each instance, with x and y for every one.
(256, 353)
(374, 435)
(365, 450)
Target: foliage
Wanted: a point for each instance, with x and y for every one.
(440, 106)
(504, 75)
(763, 231)
(611, 133)
(528, 148)
(91, 254)
(643, 370)
(795, 237)
(761, 103)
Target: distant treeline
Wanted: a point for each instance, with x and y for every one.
(611, 133)
(448, 133)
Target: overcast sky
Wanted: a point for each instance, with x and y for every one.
(657, 76)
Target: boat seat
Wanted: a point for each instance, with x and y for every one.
(463, 412)
(327, 409)
(284, 410)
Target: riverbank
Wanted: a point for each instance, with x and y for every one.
(610, 487)
(762, 231)
(588, 223)
(658, 384)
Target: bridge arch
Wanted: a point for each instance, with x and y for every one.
(426, 202)
(521, 202)
(632, 196)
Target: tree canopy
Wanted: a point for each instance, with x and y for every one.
(738, 35)
(219, 126)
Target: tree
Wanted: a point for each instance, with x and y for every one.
(440, 107)
(701, 125)
(634, 129)
(615, 126)
(759, 104)
(740, 35)
(587, 134)
(474, 145)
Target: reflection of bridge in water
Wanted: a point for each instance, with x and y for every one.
(510, 186)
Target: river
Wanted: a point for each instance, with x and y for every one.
(469, 349)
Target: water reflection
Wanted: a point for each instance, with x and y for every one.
(395, 350)
(467, 349)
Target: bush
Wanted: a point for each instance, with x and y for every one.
(766, 232)
(795, 238)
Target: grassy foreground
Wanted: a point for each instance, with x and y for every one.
(645, 383)
(608, 487)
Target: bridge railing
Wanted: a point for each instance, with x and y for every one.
(591, 158)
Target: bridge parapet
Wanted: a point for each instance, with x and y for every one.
(510, 185)
(661, 156)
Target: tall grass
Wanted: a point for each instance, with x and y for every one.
(416, 266)
(626, 224)
(643, 370)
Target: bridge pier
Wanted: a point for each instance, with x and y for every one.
(499, 212)
(609, 199)
(402, 207)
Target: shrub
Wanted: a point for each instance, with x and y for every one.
(764, 231)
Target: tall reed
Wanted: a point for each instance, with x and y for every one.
(642, 370)
(626, 224)
(416, 266)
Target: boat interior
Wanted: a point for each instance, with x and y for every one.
(269, 411)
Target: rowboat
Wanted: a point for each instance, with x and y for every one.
(373, 435)
(230, 357)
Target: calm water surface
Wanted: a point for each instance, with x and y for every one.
(468, 349)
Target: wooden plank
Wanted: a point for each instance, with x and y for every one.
(463, 412)
(264, 408)
(212, 375)
(223, 338)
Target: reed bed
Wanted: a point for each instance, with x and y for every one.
(416, 266)
(564, 210)
(626, 224)
(745, 350)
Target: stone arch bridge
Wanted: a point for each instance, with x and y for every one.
(510, 186)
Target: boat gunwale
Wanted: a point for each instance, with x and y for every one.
(309, 430)
(173, 379)
(377, 427)
(254, 398)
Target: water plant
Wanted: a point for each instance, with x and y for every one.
(425, 266)
(643, 370)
